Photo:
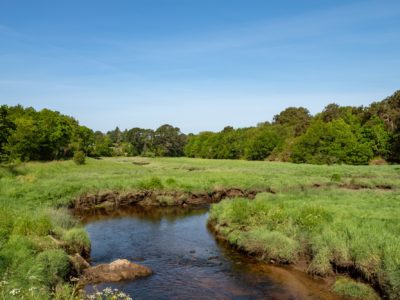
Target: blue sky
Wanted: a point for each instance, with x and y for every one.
(199, 65)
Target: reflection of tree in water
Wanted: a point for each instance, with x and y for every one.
(153, 214)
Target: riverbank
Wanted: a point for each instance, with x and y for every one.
(325, 233)
(35, 195)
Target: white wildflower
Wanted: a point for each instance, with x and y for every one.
(92, 297)
(107, 291)
(121, 295)
(14, 292)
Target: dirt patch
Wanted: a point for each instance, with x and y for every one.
(149, 198)
(353, 186)
(140, 163)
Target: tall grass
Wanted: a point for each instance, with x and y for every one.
(339, 230)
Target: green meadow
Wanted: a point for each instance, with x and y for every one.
(340, 220)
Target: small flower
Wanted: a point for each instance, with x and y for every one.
(32, 288)
(14, 292)
(99, 293)
(107, 291)
(121, 295)
(92, 297)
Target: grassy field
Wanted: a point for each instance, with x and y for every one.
(338, 218)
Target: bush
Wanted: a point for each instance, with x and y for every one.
(79, 157)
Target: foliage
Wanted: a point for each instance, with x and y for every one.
(354, 135)
(328, 143)
(79, 157)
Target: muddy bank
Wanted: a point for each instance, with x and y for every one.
(150, 198)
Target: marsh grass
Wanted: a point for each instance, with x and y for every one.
(355, 290)
(309, 212)
(339, 230)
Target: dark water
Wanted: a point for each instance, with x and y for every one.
(187, 261)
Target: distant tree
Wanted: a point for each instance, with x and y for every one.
(296, 117)
(6, 128)
(261, 143)
(102, 145)
(169, 141)
(328, 143)
(115, 135)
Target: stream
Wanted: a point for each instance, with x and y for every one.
(187, 261)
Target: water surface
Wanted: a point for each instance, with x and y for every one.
(187, 261)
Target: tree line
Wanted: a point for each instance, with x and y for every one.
(27, 134)
(338, 134)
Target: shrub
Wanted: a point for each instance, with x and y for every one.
(79, 157)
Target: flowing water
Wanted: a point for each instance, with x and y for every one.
(187, 261)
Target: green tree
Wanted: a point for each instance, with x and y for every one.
(6, 128)
(261, 143)
(297, 118)
(168, 141)
(328, 143)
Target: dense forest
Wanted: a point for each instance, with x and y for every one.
(338, 134)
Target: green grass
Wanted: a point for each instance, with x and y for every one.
(308, 214)
(357, 231)
(355, 290)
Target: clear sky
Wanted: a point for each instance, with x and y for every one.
(199, 65)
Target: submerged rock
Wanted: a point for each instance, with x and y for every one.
(118, 270)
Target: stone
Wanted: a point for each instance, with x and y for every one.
(118, 270)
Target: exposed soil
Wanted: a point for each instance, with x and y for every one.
(113, 200)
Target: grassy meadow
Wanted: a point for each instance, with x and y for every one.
(339, 218)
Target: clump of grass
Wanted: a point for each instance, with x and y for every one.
(349, 288)
(270, 245)
(336, 177)
(154, 183)
(53, 266)
(32, 225)
(61, 218)
(171, 182)
(77, 240)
